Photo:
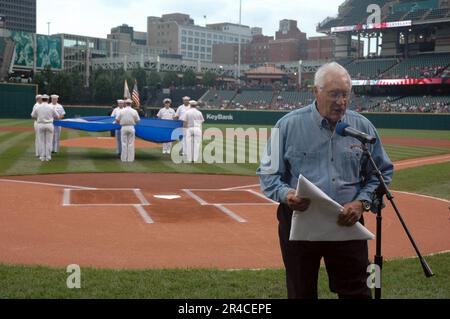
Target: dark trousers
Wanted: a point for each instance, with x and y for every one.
(346, 264)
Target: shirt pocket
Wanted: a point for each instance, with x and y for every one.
(305, 163)
(351, 166)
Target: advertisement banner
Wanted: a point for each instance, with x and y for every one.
(24, 55)
(389, 82)
(49, 52)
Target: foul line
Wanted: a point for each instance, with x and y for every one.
(230, 213)
(424, 196)
(432, 160)
(46, 184)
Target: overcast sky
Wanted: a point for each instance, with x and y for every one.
(97, 17)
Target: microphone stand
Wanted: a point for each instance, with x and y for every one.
(380, 192)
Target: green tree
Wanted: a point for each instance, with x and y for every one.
(189, 78)
(103, 89)
(61, 84)
(153, 80)
(209, 78)
(118, 78)
(141, 77)
(79, 92)
(169, 79)
(42, 79)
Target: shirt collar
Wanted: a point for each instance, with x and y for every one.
(319, 119)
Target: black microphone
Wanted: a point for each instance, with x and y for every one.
(343, 129)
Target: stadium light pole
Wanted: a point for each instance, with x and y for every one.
(239, 45)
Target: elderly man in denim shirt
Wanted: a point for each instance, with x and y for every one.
(305, 143)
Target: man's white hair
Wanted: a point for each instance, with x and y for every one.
(319, 78)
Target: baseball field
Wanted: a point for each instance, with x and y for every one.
(156, 229)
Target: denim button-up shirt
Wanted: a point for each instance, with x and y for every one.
(335, 164)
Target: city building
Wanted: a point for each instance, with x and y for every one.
(179, 35)
(18, 15)
(321, 48)
(290, 44)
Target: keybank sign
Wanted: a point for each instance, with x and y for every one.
(219, 117)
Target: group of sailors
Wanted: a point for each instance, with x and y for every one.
(47, 110)
(127, 117)
(192, 126)
(47, 135)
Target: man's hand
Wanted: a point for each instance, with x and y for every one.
(352, 214)
(297, 203)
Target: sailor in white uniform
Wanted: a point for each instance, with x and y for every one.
(44, 115)
(128, 118)
(36, 140)
(115, 113)
(193, 121)
(166, 113)
(57, 130)
(180, 112)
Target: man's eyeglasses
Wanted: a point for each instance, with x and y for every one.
(338, 95)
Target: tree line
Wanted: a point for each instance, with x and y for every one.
(106, 86)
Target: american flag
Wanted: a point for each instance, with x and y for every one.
(135, 96)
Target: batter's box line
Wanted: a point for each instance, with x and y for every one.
(202, 202)
(138, 207)
(221, 206)
(138, 193)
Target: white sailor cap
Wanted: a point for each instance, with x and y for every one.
(38, 96)
(186, 98)
(54, 96)
(45, 96)
(193, 103)
(167, 101)
(128, 101)
(120, 101)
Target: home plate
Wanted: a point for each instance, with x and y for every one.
(169, 197)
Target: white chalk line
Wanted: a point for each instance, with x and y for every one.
(261, 196)
(141, 197)
(239, 187)
(66, 197)
(424, 196)
(144, 214)
(46, 184)
(230, 213)
(195, 197)
(442, 158)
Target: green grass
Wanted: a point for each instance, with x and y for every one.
(401, 279)
(432, 180)
(415, 133)
(400, 152)
(17, 156)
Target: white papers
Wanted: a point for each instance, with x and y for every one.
(319, 221)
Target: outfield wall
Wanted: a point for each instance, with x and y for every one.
(17, 100)
(380, 120)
